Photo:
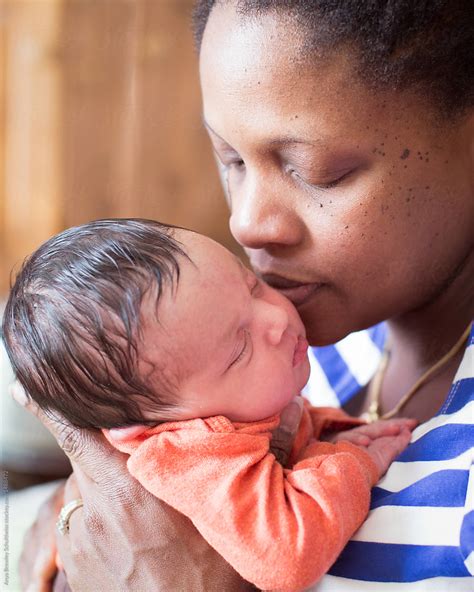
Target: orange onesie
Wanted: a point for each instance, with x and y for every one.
(281, 529)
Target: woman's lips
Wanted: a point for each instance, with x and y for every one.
(301, 350)
(295, 291)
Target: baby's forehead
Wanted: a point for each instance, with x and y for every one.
(208, 257)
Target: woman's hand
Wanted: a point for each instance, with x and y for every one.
(123, 538)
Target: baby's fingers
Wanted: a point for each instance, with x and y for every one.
(385, 450)
(387, 427)
(354, 436)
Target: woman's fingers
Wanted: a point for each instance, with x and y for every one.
(89, 452)
(284, 435)
(59, 427)
(72, 492)
(18, 393)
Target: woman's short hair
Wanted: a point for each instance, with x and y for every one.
(425, 45)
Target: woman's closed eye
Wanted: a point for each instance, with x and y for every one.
(339, 176)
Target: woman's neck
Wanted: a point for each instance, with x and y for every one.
(417, 341)
(422, 336)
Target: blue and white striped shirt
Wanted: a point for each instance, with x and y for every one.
(419, 535)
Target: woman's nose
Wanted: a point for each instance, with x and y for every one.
(262, 214)
(276, 323)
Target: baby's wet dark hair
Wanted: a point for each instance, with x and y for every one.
(424, 45)
(72, 322)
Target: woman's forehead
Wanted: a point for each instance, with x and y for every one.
(252, 78)
(240, 48)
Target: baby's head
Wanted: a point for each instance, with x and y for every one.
(118, 322)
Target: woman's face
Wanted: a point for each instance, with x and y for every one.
(356, 204)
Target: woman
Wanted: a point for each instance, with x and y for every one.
(345, 137)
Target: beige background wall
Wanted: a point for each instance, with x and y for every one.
(100, 117)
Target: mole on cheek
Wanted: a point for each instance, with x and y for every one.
(405, 154)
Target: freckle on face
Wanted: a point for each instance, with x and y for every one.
(405, 154)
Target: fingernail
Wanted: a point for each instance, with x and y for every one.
(291, 416)
(128, 433)
(18, 393)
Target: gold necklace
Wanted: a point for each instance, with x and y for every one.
(375, 386)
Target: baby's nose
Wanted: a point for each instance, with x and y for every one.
(278, 323)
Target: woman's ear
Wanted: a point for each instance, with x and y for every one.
(129, 433)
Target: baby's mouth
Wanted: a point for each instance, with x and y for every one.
(301, 350)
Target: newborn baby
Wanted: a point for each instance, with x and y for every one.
(134, 323)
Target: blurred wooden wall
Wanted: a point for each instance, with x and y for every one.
(100, 116)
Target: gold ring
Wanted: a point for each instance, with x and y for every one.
(65, 514)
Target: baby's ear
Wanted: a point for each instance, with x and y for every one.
(124, 434)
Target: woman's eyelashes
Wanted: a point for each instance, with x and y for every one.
(338, 177)
(312, 177)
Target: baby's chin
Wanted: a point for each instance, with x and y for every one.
(263, 414)
(290, 404)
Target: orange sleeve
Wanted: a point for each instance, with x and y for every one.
(331, 419)
(315, 421)
(280, 529)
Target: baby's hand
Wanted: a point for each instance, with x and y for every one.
(384, 440)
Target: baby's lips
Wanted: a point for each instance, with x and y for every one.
(301, 350)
